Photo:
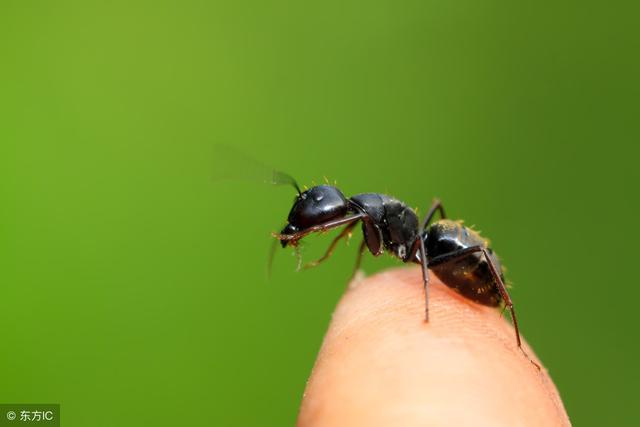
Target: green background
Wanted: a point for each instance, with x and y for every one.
(132, 285)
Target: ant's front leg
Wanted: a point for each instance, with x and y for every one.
(332, 246)
(293, 238)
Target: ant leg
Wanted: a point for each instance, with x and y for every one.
(425, 278)
(298, 257)
(507, 299)
(293, 238)
(436, 206)
(496, 278)
(356, 267)
(418, 246)
(372, 236)
(332, 246)
(441, 259)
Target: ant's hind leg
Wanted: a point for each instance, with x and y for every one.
(502, 289)
(507, 300)
(332, 246)
(436, 206)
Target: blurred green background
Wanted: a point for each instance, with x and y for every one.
(133, 288)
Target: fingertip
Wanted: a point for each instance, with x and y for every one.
(381, 360)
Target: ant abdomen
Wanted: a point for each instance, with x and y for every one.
(469, 275)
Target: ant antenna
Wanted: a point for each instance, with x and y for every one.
(272, 253)
(232, 163)
(283, 178)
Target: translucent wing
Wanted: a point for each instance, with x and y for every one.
(230, 163)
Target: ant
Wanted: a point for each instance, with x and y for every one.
(458, 255)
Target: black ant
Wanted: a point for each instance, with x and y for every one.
(459, 256)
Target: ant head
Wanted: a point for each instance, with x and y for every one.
(315, 206)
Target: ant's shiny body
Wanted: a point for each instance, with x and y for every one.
(459, 256)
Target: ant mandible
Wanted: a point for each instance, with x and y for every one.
(458, 255)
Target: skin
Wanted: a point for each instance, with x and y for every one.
(381, 364)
